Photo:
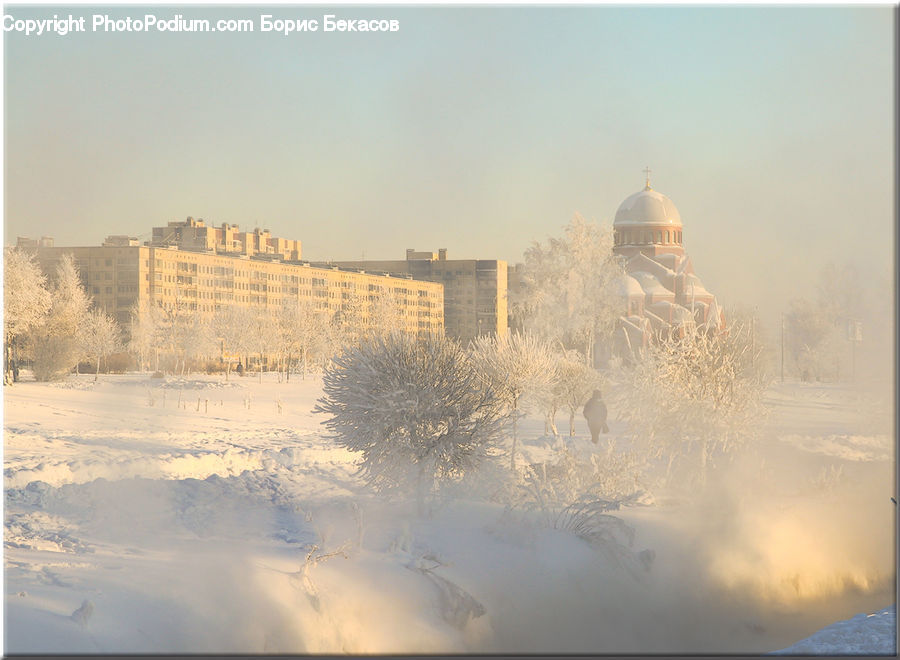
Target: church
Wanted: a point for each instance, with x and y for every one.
(660, 291)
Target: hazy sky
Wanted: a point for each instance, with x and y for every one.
(475, 129)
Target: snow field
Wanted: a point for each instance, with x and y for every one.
(132, 527)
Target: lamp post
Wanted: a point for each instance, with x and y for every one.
(782, 347)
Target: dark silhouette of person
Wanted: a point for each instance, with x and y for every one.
(595, 414)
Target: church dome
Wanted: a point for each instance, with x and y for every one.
(647, 207)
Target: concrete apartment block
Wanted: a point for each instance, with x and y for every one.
(122, 277)
(475, 290)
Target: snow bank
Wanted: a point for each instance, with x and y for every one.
(135, 524)
(864, 634)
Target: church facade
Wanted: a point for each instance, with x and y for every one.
(660, 291)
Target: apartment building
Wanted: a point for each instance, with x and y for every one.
(122, 275)
(475, 290)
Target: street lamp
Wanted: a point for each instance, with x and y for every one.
(782, 347)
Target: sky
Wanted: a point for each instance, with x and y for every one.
(474, 129)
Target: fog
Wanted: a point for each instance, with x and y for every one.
(244, 530)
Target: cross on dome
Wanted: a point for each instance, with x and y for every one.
(647, 171)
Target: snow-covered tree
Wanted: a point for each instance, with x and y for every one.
(231, 326)
(299, 331)
(812, 339)
(26, 302)
(575, 384)
(199, 342)
(565, 292)
(696, 395)
(99, 337)
(418, 412)
(519, 366)
(816, 331)
(840, 292)
(56, 346)
(349, 322)
(285, 321)
(263, 337)
(146, 336)
(384, 314)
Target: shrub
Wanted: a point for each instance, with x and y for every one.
(696, 396)
(417, 411)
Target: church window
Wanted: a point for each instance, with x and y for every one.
(667, 237)
(659, 237)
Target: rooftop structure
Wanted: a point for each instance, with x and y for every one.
(194, 234)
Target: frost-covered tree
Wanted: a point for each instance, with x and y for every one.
(812, 338)
(26, 302)
(840, 291)
(263, 336)
(575, 384)
(417, 412)
(286, 347)
(99, 336)
(199, 342)
(565, 292)
(146, 336)
(384, 314)
(349, 322)
(175, 327)
(299, 331)
(569, 391)
(519, 366)
(816, 340)
(696, 395)
(56, 346)
(231, 326)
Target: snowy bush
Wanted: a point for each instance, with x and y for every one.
(695, 395)
(588, 517)
(604, 472)
(417, 411)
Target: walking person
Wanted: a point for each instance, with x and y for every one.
(595, 414)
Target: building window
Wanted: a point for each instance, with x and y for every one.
(668, 240)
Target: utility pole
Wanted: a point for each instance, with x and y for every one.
(782, 347)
